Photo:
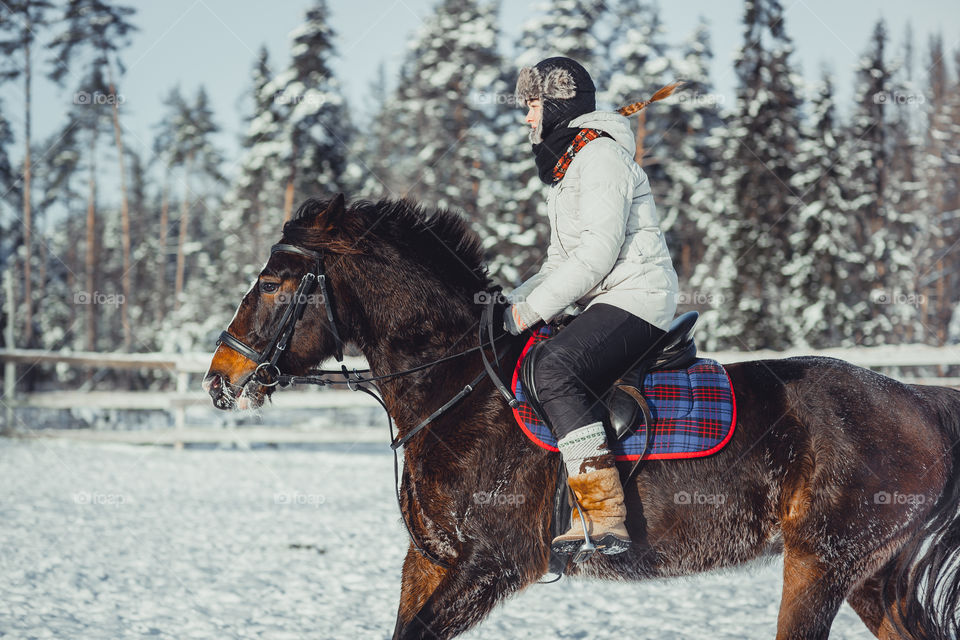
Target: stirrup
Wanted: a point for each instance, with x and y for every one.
(587, 549)
(607, 544)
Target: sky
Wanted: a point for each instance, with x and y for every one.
(214, 43)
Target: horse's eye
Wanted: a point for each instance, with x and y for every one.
(269, 287)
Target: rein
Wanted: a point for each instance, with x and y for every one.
(268, 373)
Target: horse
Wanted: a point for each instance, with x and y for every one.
(852, 476)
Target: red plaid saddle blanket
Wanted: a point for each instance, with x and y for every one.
(693, 409)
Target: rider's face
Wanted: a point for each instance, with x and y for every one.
(534, 113)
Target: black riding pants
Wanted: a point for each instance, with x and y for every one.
(584, 358)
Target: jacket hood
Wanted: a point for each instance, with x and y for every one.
(613, 123)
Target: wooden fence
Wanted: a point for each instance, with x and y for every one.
(186, 369)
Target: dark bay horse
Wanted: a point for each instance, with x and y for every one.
(852, 476)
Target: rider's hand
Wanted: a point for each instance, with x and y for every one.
(519, 317)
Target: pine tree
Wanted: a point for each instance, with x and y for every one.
(564, 28)
(688, 148)
(184, 141)
(639, 64)
(518, 232)
(905, 195)
(20, 22)
(252, 207)
(951, 262)
(370, 170)
(258, 192)
(201, 159)
(939, 169)
(101, 29)
(60, 183)
(83, 132)
(445, 105)
(166, 154)
(311, 110)
(886, 234)
(765, 135)
(8, 175)
(826, 304)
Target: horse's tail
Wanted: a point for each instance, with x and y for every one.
(925, 583)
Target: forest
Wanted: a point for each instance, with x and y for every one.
(793, 221)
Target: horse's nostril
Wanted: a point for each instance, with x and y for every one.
(213, 384)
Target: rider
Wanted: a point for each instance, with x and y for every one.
(607, 254)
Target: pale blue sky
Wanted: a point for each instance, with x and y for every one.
(213, 42)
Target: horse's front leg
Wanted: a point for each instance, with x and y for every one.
(441, 603)
(419, 579)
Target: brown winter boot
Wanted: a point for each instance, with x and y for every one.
(600, 496)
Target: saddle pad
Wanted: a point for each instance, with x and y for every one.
(693, 409)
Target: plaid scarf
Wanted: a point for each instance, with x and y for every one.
(553, 173)
(579, 142)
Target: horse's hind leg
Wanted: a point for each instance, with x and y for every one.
(812, 594)
(867, 600)
(814, 589)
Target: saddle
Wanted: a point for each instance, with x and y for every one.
(624, 398)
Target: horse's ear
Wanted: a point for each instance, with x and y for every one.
(335, 212)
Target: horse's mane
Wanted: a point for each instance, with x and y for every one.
(441, 240)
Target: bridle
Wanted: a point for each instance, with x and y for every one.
(268, 373)
(267, 358)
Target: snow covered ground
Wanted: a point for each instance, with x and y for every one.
(117, 541)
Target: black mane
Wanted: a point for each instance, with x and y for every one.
(441, 240)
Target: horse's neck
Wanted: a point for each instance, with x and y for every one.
(411, 397)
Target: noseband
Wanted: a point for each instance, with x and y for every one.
(267, 372)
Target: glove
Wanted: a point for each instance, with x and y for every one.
(519, 317)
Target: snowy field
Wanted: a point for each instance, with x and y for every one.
(117, 541)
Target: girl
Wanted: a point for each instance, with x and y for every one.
(607, 255)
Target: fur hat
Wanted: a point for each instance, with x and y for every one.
(563, 87)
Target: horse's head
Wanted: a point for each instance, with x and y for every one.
(281, 323)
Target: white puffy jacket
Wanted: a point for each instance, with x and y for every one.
(605, 241)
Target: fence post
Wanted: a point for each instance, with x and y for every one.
(9, 368)
(180, 415)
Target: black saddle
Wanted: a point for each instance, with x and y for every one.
(675, 350)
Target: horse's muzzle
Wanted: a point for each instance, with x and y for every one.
(219, 390)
